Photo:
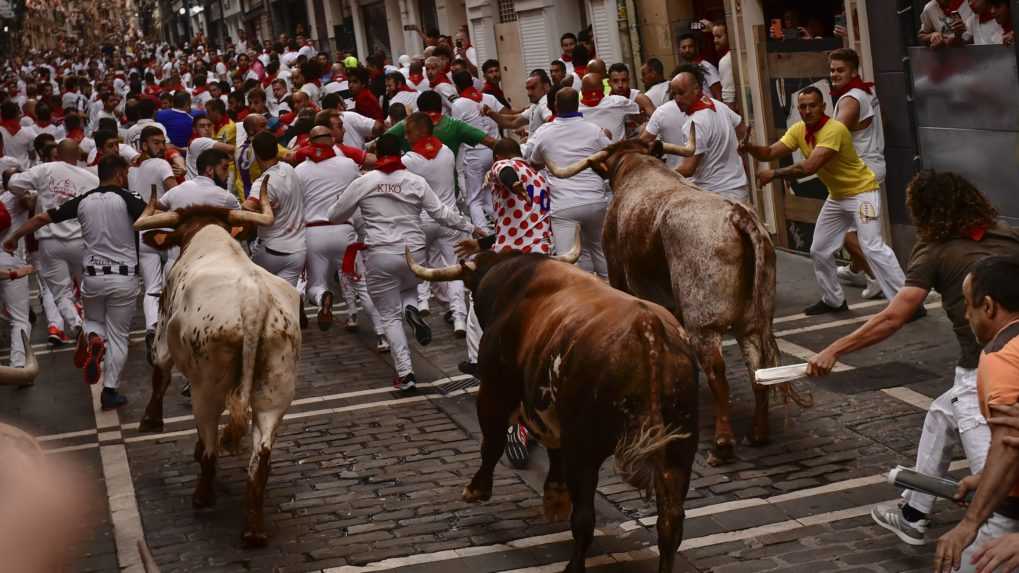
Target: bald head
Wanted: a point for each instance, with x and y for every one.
(68, 151)
(567, 101)
(596, 66)
(255, 123)
(591, 82)
(300, 99)
(319, 131)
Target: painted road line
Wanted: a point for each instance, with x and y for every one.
(66, 435)
(909, 396)
(857, 306)
(88, 446)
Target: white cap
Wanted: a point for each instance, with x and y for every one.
(404, 60)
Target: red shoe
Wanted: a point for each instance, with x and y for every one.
(80, 350)
(96, 352)
(55, 336)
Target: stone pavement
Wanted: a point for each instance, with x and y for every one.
(366, 479)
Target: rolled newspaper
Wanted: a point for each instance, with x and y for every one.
(939, 487)
(780, 374)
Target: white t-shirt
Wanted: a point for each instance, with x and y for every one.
(195, 148)
(323, 182)
(932, 18)
(391, 205)
(711, 76)
(448, 93)
(125, 151)
(721, 168)
(668, 122)
(153, 171)
(408, 99)
(469, 111)
(105, 216)
(564, 142)
(313, 91)
(658, 93)
(610, 114)
(134, 134)
(54, 183)
(286, 234)
(18, 215)
(356, 128)
(870, 141)
(56, 131)
(439, 172)
(19, 145)
(198, 191)
(728, 82)
(538, 114)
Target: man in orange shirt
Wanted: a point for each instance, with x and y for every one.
(992, 308)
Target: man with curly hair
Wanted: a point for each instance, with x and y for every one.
(957, 228)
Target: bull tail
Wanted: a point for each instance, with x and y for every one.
(253, 316)
(637, 452)
(762, 307)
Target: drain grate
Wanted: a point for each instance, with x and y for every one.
(457, 385)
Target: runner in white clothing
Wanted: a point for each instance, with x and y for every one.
(689, 53)
(439, 82)
(668, 123)
(432, 160)
(149, 171)
(209, 188)
(652, 74)
(716, 165)
(17, 140)
(325, 175)
(477, 160)
(60, 246)
(204, 141)
(280, 248)
(391, 199)
(608, 112)
(580, 200)
(14, 287)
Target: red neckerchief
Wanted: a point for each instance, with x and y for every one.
(95, 161)
(13, 126)
(416, 78)
(592, 97)
(1008, 27)
(77, 134)
(286, 118)
(985, 16)
(316, 152)
(698, 59)
(199, 90)
(303, 140)
(139, 159)
(220, 125)
(723, 53)
(490, 88)
(317, 82)
(374, 74)
(471, 93)
(975, 233)
(700, 105)
(242, 113)
(566, 57)
(811, 134)
(389, 163)
(355, 154)
(856, 83)
(435, 116)
(267, 80)
(366, 104)
(580, 70)
(440, 79)
(427, 147)
(954, 5)
(406, 88)
(42, 124)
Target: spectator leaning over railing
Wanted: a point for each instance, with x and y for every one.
(992, 308)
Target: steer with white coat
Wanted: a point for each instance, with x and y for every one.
(232, 329)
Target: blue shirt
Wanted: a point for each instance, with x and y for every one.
(178, 125)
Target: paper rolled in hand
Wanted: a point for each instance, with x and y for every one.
(781, 374)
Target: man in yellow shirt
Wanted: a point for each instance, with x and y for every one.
(853, 198)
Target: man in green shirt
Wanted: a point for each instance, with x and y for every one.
(451, 132)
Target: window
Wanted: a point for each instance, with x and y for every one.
(507, 11)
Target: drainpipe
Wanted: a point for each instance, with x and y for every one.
(636, 50)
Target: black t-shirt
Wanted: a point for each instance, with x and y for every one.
(943, 266)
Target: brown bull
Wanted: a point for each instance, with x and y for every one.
(706, 259)
(592, 372)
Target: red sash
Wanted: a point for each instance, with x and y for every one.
(701, 104)
(811, 134)
(471, 93)
(389, 163)
(856, 83)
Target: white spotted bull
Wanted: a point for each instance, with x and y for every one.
(706, 259)
(232, 329)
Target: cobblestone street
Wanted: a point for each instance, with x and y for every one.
(365, 479)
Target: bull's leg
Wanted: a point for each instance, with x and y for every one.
(494, 411)
(152, 421)
(582, 481)
(557, 495)
(263, 435)
(671, 485)
(753, 355)
(709, 356)
(206, 406)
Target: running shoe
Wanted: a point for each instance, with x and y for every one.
(889, 516)
(516, 446)
(469, 368)
(873, 290)
(111, 399)
(81, 350)
(405, 383)
(847, 276)
(423, 307)
(325, 312)
(459, 328)
(821, 307)
(351, 325)
(422, 332)
(94, 358)
(382, 346)
(55, 336)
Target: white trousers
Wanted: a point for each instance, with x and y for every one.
(15, 298)
(838, 216)
(287, 266)
(591, 218)
(49, 306)
(326, 247)
(953, 417)
(154, 266)
(109, 302)
(996, 526)
(440, 243)
(393, 287)
(476, 163)
(60, 267)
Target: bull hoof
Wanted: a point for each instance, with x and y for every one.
(474, 495)
(150, 425)
(557, 502)
(253, 539)
(721, 455)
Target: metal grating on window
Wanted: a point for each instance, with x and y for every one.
(507, 11)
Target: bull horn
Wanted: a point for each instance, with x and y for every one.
(573, 255)
(239, 217)
(153, 218)
(16, 272)
(11, 376)
(683, 150)
(445, 274)
(571, 170)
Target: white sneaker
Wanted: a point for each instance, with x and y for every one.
(873, 290)
(847, 276)
(423, 307)
(459, 328)
(890, 517)
(383, 345)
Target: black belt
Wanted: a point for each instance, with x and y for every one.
(1009, 508)
(124, 270)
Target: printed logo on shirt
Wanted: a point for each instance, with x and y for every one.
(389, 187)
(868, 212)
